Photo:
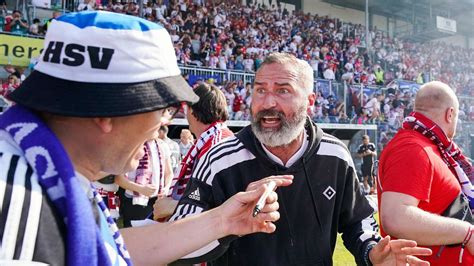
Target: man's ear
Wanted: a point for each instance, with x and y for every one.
(450, 114)
(104, 124)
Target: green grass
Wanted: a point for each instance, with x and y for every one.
(342, 256)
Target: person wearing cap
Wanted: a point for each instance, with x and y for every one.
(86, 110)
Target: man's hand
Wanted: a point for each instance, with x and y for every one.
(398, 252)
(148, 190)
(236, 213)
(164, 207)
(280, 181)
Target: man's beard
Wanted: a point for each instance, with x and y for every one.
(290, 128)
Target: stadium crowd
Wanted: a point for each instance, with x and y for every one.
(231, 36)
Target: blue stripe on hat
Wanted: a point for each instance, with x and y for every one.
(108, 20)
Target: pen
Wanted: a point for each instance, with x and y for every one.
(261, 201)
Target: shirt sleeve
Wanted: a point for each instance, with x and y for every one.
(407, 170)
(165, 148)
(359, 150)
(372, 147)
(356, 221)
(197, 198)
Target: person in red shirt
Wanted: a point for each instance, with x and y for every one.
(238, 101)
(12, 83)
(422, 180)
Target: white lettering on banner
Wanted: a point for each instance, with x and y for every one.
(25, 130)
(31, 155)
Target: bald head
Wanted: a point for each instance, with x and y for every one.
(437, 101)
(434, 98)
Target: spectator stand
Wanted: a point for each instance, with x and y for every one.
(345, 132)
(196, 73)
(331, 97)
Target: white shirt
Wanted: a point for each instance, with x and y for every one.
(293, 158)
(329, 74)
(248, 64)
(372, 105)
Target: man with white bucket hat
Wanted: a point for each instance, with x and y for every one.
(104, 84)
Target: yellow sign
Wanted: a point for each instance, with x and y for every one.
(18, 51)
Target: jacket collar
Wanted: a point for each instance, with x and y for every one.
(251, 143)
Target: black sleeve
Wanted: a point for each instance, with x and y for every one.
(357, 224)
(372, 147)
(360, 149)
(197, 198)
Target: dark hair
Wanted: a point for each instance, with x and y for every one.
(212, 104)
(365, 137)
(164, 129)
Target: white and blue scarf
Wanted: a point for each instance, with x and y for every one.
(56, 175)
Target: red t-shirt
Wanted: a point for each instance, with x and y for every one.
(411, 164)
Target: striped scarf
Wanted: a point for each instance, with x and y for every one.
(211, 136)
(147, 172)
(450, 152)
(50, 162)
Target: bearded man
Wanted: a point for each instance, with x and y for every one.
(323, 200)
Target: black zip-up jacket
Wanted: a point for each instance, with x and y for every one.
(323, 200)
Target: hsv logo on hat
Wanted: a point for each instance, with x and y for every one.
(104, 64)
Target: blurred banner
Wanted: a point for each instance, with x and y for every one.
(324, 86)
(42, 3)
(18, 50)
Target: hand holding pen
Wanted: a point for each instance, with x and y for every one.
(262, 200)
(272, 182)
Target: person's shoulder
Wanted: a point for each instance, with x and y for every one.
(407, 142)
(224, 155)
(407, 138)
(334, 147)
(230, 143)
(8, 145)
(172, 143)
(18, 180)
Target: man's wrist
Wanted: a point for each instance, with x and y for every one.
(219, 222)
(368, 249)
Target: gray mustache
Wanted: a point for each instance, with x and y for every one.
(269, 112)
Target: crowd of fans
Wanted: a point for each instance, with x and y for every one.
(234, 37)
(231, 36)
